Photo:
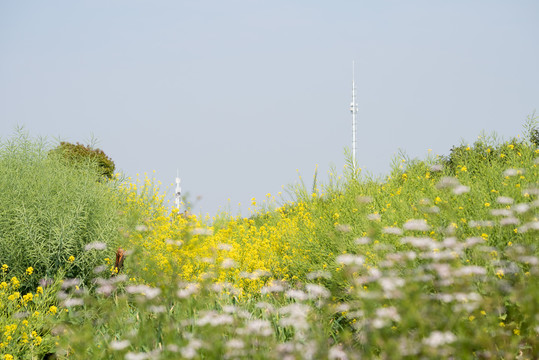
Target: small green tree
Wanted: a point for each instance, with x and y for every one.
(77, 154)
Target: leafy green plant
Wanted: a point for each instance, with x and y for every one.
(49, 212)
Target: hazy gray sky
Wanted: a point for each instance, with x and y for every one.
(240, 94)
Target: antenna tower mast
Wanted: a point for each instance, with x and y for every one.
(178, 192)
(353, 110)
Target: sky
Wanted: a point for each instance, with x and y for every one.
(242, 96)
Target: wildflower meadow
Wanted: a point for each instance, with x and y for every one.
(438, 259)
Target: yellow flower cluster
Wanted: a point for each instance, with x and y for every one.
(16, 334)
(243, 252)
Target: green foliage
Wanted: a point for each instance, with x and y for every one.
(534, 136)
(80, 155)
(50, 210)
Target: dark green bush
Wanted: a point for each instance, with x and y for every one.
(78, 154)
(534, 136)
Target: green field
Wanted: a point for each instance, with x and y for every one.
(438, 259)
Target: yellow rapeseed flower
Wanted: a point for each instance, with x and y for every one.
(71, 259)
(4, 268)
(30, 270)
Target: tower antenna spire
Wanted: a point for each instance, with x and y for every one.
(178, 192)
(353, 110)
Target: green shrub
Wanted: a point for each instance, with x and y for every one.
(80, 155)
(49, 212)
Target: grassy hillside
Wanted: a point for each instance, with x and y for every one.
(438, 260)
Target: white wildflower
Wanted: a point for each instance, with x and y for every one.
(145, 290)
(190, 351)
(119, 344)
(186, 290)
(470, 270)
(68, 283)
(97, 245)
(297, 316)
(504, 200)
(297, 295)
(416, 225)
(446, 298)
(105, 289)
(438, 338)
(337, 353)
(501, 212)
(177, 243)
(317, 291)
(235, 344)
(471, 241)
(420, 242)
(447, 182)
(531, 191)
(521, 208)
(213, 318)
(509, 221)
(461, 189)
(269, 308)
(481, 223)
(274, 287)
(136, 356)
(363, 240)
(534, 225)
(392, 230)
(433, 210)
(319, 274)
(385, 314)
(343, 228)
(99, 269)
(531, 260)
(225, 247)
(73, 302)
(510, 172)
(436, 167)
(443, 270)
(157, 309)
(349, 259)
(259, 327)
(390, 284)
(374, 217)
(141, 228)
(228, 263)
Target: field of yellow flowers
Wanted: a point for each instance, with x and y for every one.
(437, 260)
